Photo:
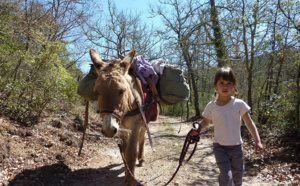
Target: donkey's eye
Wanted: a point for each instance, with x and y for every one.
(121, 93)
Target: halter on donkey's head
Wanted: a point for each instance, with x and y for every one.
(113, 89)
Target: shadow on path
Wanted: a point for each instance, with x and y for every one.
(61, 175)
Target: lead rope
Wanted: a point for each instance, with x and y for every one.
(193, 137)
(124, 161)
(143, 115)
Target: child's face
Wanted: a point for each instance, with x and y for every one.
(223, 87)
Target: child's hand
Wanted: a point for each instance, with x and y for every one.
(259, 148)
(197, 125)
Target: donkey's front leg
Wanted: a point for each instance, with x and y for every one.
(125, 138)
(131, 155)
(141, 153)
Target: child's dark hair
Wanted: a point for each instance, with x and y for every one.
(227, 74)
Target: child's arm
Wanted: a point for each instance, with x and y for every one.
(204, 123)
(253, 130)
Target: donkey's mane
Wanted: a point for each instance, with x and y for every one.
(112, 70)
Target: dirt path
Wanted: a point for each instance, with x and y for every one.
(48, 156)
(160, 165)
(200, 170)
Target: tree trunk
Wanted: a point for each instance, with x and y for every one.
(281, 60)
(187, 110)
(218, 40)
(297, 111)
(194, 85)
(249, 78)
(250, 88)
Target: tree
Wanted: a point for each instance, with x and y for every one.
(251, 20)
(290, 10)
(120, 32)
(33, 72)
(218, 39)
(182, 32)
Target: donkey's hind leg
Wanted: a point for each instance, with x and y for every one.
(141, 149)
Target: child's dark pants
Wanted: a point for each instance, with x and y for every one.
(231, 164)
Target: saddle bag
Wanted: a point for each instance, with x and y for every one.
(86, 85)
(172, 86)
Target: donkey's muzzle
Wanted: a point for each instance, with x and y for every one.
(110, 127)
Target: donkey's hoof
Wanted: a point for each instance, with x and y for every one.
(129, 182)
(141, 163)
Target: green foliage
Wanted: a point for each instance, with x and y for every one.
(78, 118)
(32, 73)
(175, 110)
(278, 104)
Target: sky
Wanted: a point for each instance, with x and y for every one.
(134, 4)
(140, 6)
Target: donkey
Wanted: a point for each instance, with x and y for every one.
(115, 88)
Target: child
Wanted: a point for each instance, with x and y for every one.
(225, 112)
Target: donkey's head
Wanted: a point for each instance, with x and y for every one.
(113, 89)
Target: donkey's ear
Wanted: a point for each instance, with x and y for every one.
(121, 57)
(96, 59)
(129, 57)
(127, 60)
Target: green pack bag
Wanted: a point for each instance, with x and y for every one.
(86, 85)
(172, 87)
